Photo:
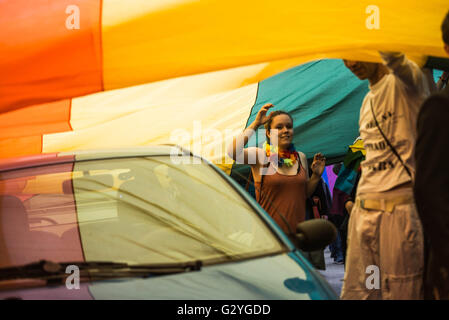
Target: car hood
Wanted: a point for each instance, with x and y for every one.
(283, 276)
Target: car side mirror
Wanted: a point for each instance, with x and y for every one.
(315, 234)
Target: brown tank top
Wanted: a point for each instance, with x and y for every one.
(284, 195)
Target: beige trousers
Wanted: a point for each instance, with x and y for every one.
(385, 255)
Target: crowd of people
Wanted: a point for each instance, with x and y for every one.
(396, 217)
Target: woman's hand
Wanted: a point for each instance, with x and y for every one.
(262, 117)
(318, 164)
(317, 167)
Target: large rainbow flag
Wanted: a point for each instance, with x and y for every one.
(83, 74)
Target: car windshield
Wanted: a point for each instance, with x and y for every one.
(140, 210)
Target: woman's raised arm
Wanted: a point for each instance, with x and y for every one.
(237, 150)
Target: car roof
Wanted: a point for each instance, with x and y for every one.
(83, 155)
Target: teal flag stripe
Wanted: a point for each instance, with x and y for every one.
(324, 99)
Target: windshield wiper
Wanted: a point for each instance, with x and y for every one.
(49, 270)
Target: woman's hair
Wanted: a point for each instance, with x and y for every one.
(274, 114)
(270, 120)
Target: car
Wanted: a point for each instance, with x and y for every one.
(143, 223)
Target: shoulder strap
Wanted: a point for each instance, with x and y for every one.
(303, 165)
(388, 142)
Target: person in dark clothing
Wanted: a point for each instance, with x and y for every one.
(431, 187)
(318, 206)
(345, 190)
(343, 229)
(337, 218)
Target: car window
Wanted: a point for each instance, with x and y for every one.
(134, 210)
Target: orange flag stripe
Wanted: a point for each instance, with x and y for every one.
(20, 146)
(42, 59)
(36, 120)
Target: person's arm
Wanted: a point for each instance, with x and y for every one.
(317, 167)
(406, 70)
(349, 202)
(237, 151)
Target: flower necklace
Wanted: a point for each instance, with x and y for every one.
(285, 157)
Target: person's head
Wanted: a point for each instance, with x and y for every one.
(445, 32)
(279, 129)
(363, 70)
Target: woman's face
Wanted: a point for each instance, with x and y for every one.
(281, 133)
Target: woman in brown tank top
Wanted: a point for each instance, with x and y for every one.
(280, 174)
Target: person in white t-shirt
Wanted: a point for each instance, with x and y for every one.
(385, 240)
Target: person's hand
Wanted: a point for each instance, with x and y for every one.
(262, 117)
(348, 206)
(318, 164)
